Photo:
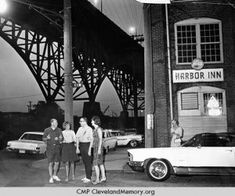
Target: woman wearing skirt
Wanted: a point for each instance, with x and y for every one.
(98, 159)
(69, 155)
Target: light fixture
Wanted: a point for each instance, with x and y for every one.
(95, 2)
(213, 106)
(132, 30)
(3, 6)
(155, 1)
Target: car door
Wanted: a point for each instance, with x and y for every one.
(122, 140)
(110, 140)
(105, 139)
(209, 154)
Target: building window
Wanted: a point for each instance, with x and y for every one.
(189, 101)
(198, 38)
(213, 104)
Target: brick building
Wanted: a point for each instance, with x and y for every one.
(202, 73)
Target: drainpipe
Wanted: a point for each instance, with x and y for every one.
(169, 61)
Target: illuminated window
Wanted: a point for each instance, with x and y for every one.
(198, 38)
(213, 104)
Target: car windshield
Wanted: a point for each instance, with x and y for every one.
(194, 141)
(28, 136)
(117, 133)
(211, 140)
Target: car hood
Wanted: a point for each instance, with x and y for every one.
(140, 150)
(160, 151)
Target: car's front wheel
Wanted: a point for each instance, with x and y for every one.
(158, 170)
(115, 146)
(133, 143)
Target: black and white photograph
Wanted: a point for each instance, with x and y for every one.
(117, 97)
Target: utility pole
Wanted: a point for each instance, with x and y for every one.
(29, 106)
(101, 6)
(149, 84)
(68, 74)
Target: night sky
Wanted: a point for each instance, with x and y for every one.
(18, 86)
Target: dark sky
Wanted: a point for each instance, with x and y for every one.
(18, 86)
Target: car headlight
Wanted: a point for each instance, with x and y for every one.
(130, 156)
(38, 148)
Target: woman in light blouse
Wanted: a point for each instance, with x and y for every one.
(176, 133)
(69, 155)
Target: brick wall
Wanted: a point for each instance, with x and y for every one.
(160, 77)
(178, 12)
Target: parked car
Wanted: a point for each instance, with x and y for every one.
(28, 143)
(203, 154)
(123, 139)
(109, 141)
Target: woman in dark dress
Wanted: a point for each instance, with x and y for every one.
(69, 155)
(98, 159)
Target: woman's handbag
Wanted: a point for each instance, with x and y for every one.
(178, 140)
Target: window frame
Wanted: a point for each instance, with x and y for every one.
(197, 23)
(181, 106)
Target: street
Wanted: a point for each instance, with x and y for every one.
(30, 171)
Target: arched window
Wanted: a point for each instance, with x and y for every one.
(202, 101)
(199, 38)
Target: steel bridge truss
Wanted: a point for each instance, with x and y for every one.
(44, 58)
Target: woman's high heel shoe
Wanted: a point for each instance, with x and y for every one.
(96, 182)
(103, 180)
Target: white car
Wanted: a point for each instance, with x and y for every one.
(109, 141)
(204, 154)
(124, 139)
(28, 143)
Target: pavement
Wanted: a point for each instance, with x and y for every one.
(115, 162)
(32, 171)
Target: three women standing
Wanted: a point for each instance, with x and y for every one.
(85, 139)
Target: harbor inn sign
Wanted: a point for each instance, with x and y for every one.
(203, 75)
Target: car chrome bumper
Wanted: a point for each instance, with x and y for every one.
(25, 151)
(136, 165)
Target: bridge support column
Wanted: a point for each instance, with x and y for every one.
(91, 109)
(136, 108)
(123, 119)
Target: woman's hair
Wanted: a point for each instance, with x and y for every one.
(52, 120)
(96, 120)
(66, 123)
(84, 118)
(176, 121)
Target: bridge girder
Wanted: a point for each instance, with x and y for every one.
(44, 58)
